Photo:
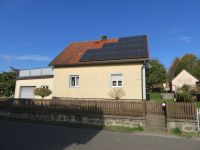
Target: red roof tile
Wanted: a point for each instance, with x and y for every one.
(73, 53)
(134, 49)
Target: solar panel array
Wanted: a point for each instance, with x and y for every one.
(126, 48)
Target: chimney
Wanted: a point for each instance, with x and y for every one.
(103, 37)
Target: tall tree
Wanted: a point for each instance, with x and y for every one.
(196, 71)
(172, 69)
(189, 62)
(156, 75)
(7, 83)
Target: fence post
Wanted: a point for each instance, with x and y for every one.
(198, 115)
(145, 108)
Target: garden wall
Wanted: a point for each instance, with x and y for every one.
(107, 120)
(183, 124)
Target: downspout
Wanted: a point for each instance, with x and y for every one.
(143, 79)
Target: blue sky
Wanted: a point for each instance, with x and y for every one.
(33, 32)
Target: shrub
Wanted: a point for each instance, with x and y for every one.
(186, 93)
(117, 93)
(177, 131)
(43, 92)
(197, 89)
(186, 88)
(187, 96)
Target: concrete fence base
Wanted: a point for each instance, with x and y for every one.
(183, 124)
(89, 119)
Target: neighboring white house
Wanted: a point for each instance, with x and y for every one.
(30, 79)
(182, 78)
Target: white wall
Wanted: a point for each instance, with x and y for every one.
(34, 82)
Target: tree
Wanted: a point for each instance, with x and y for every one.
(189, 62)
(196, 71)
(172, 69)
(43, 92)
(156, 75)
(7, 83)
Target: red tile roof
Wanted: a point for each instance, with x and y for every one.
(75, 53)
(72, 54)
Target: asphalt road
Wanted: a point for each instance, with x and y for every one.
(27, 136)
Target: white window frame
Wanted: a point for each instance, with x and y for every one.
(45, 86)
(70, 81)
(120, 78)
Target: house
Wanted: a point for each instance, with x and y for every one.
(30, 79)
(92, 69)
(182, 78)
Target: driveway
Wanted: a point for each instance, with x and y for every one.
(27, 136)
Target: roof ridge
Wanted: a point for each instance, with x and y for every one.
(93, 41)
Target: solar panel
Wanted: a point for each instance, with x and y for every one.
(125, 48)
(140, 37)
(125, 43)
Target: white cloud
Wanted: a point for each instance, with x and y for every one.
(24, 58)
(185, 39)
(174, 30)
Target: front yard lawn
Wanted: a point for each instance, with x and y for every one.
(198, 104)
(156, 96)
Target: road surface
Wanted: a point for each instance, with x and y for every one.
(28, 136)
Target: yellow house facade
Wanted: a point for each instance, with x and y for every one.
(97, 81)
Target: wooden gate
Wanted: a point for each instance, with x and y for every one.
(155, 117)
(154, 107)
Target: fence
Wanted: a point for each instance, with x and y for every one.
(78, 107)
(175, 110)
(181, 110)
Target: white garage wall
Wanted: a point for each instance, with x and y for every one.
(34, 82)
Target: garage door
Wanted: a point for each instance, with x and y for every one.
(27, 92)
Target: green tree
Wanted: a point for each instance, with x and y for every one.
(172, 69)
(196, 71)
(156, 75)
(191, 63)
(43, 92)
(7, 83)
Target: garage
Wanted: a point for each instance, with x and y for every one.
(27, 92)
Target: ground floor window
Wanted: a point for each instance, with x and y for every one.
(116, 80)
(74, 81)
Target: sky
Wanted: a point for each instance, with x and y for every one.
(34, 32)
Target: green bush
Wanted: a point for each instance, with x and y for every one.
(186, 88)
(186, 94)
(177, 131)
(43, 92)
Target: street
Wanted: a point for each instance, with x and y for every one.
(28, 136)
